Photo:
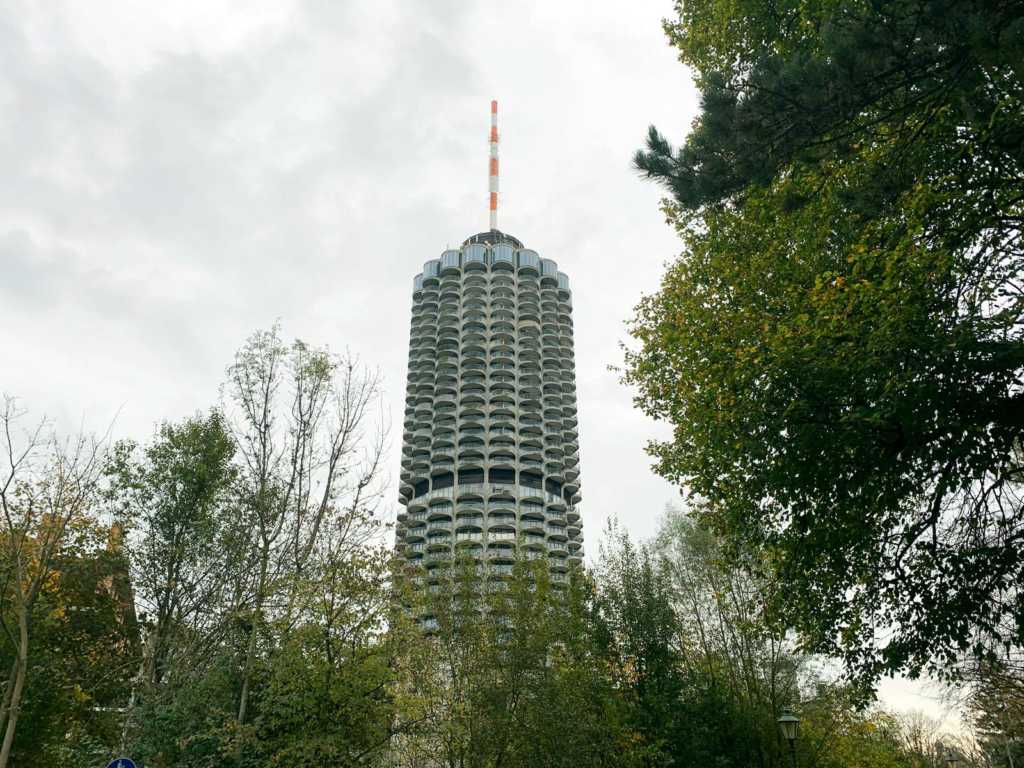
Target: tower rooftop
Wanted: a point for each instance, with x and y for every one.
(494, 237)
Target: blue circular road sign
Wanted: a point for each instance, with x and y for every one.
(121, 762)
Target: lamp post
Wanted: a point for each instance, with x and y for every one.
(788, 724)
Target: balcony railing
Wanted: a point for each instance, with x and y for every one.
(486, 489)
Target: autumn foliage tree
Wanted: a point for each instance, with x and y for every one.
(48, 487)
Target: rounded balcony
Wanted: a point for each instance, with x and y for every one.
(502, 382)
(556, 506)
(466, 520)
(449, 281)
(501, 494)
(472, 416)
(439, 542)
(502, 280)
(438, 510)
(471, 456)
(501, 552)
(500, 517)
(414, 504)
(531, 444)
(415, 535)
(529, 493)
(469, 491)
(533, 541)
(502, 461)
(531, 463)
(469, 542)
(438, 555)
(552, 454)
(444, 435)
(474, 398)
(471, 506)
(474, 258)
(441, 465)
(502, 256)
(532, 524)
(557, 530)
(529, 399)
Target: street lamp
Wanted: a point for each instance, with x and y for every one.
(788, 724)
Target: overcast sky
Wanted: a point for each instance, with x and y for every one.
(177, 175)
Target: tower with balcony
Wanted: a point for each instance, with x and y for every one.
(490, 453)
(490, 450)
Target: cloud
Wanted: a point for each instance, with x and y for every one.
(178, 176)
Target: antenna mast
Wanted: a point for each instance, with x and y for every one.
(494, 166)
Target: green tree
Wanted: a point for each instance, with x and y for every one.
(510, 673)
(309, 461)
(706, 674)
(836, 732)
(256, 555)
(839, 347)
(176, 496)
(85, 650)
(325, 696)
(642, 631)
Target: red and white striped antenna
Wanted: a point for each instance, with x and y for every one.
(494, 166)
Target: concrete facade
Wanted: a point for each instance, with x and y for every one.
(490, 451)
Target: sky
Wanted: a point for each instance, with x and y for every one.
(179, 175)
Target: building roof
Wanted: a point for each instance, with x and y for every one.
(493, 237)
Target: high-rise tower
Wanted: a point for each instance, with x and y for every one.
(490, 454)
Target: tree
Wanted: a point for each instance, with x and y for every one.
(641, 628)
(732, 642)
(706, 670)
(835, 732)
(510, 673)
(176, 496)
(839, 347)
(307, 463)
(46, 487)
(84, 652)
(993, 699)
(257, 557)
(325, 698)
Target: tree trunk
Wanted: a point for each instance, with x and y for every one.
(243, 699)
(19, 685)
(250, 653)
(8, 691)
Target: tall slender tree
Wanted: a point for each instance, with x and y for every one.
(310, 458)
